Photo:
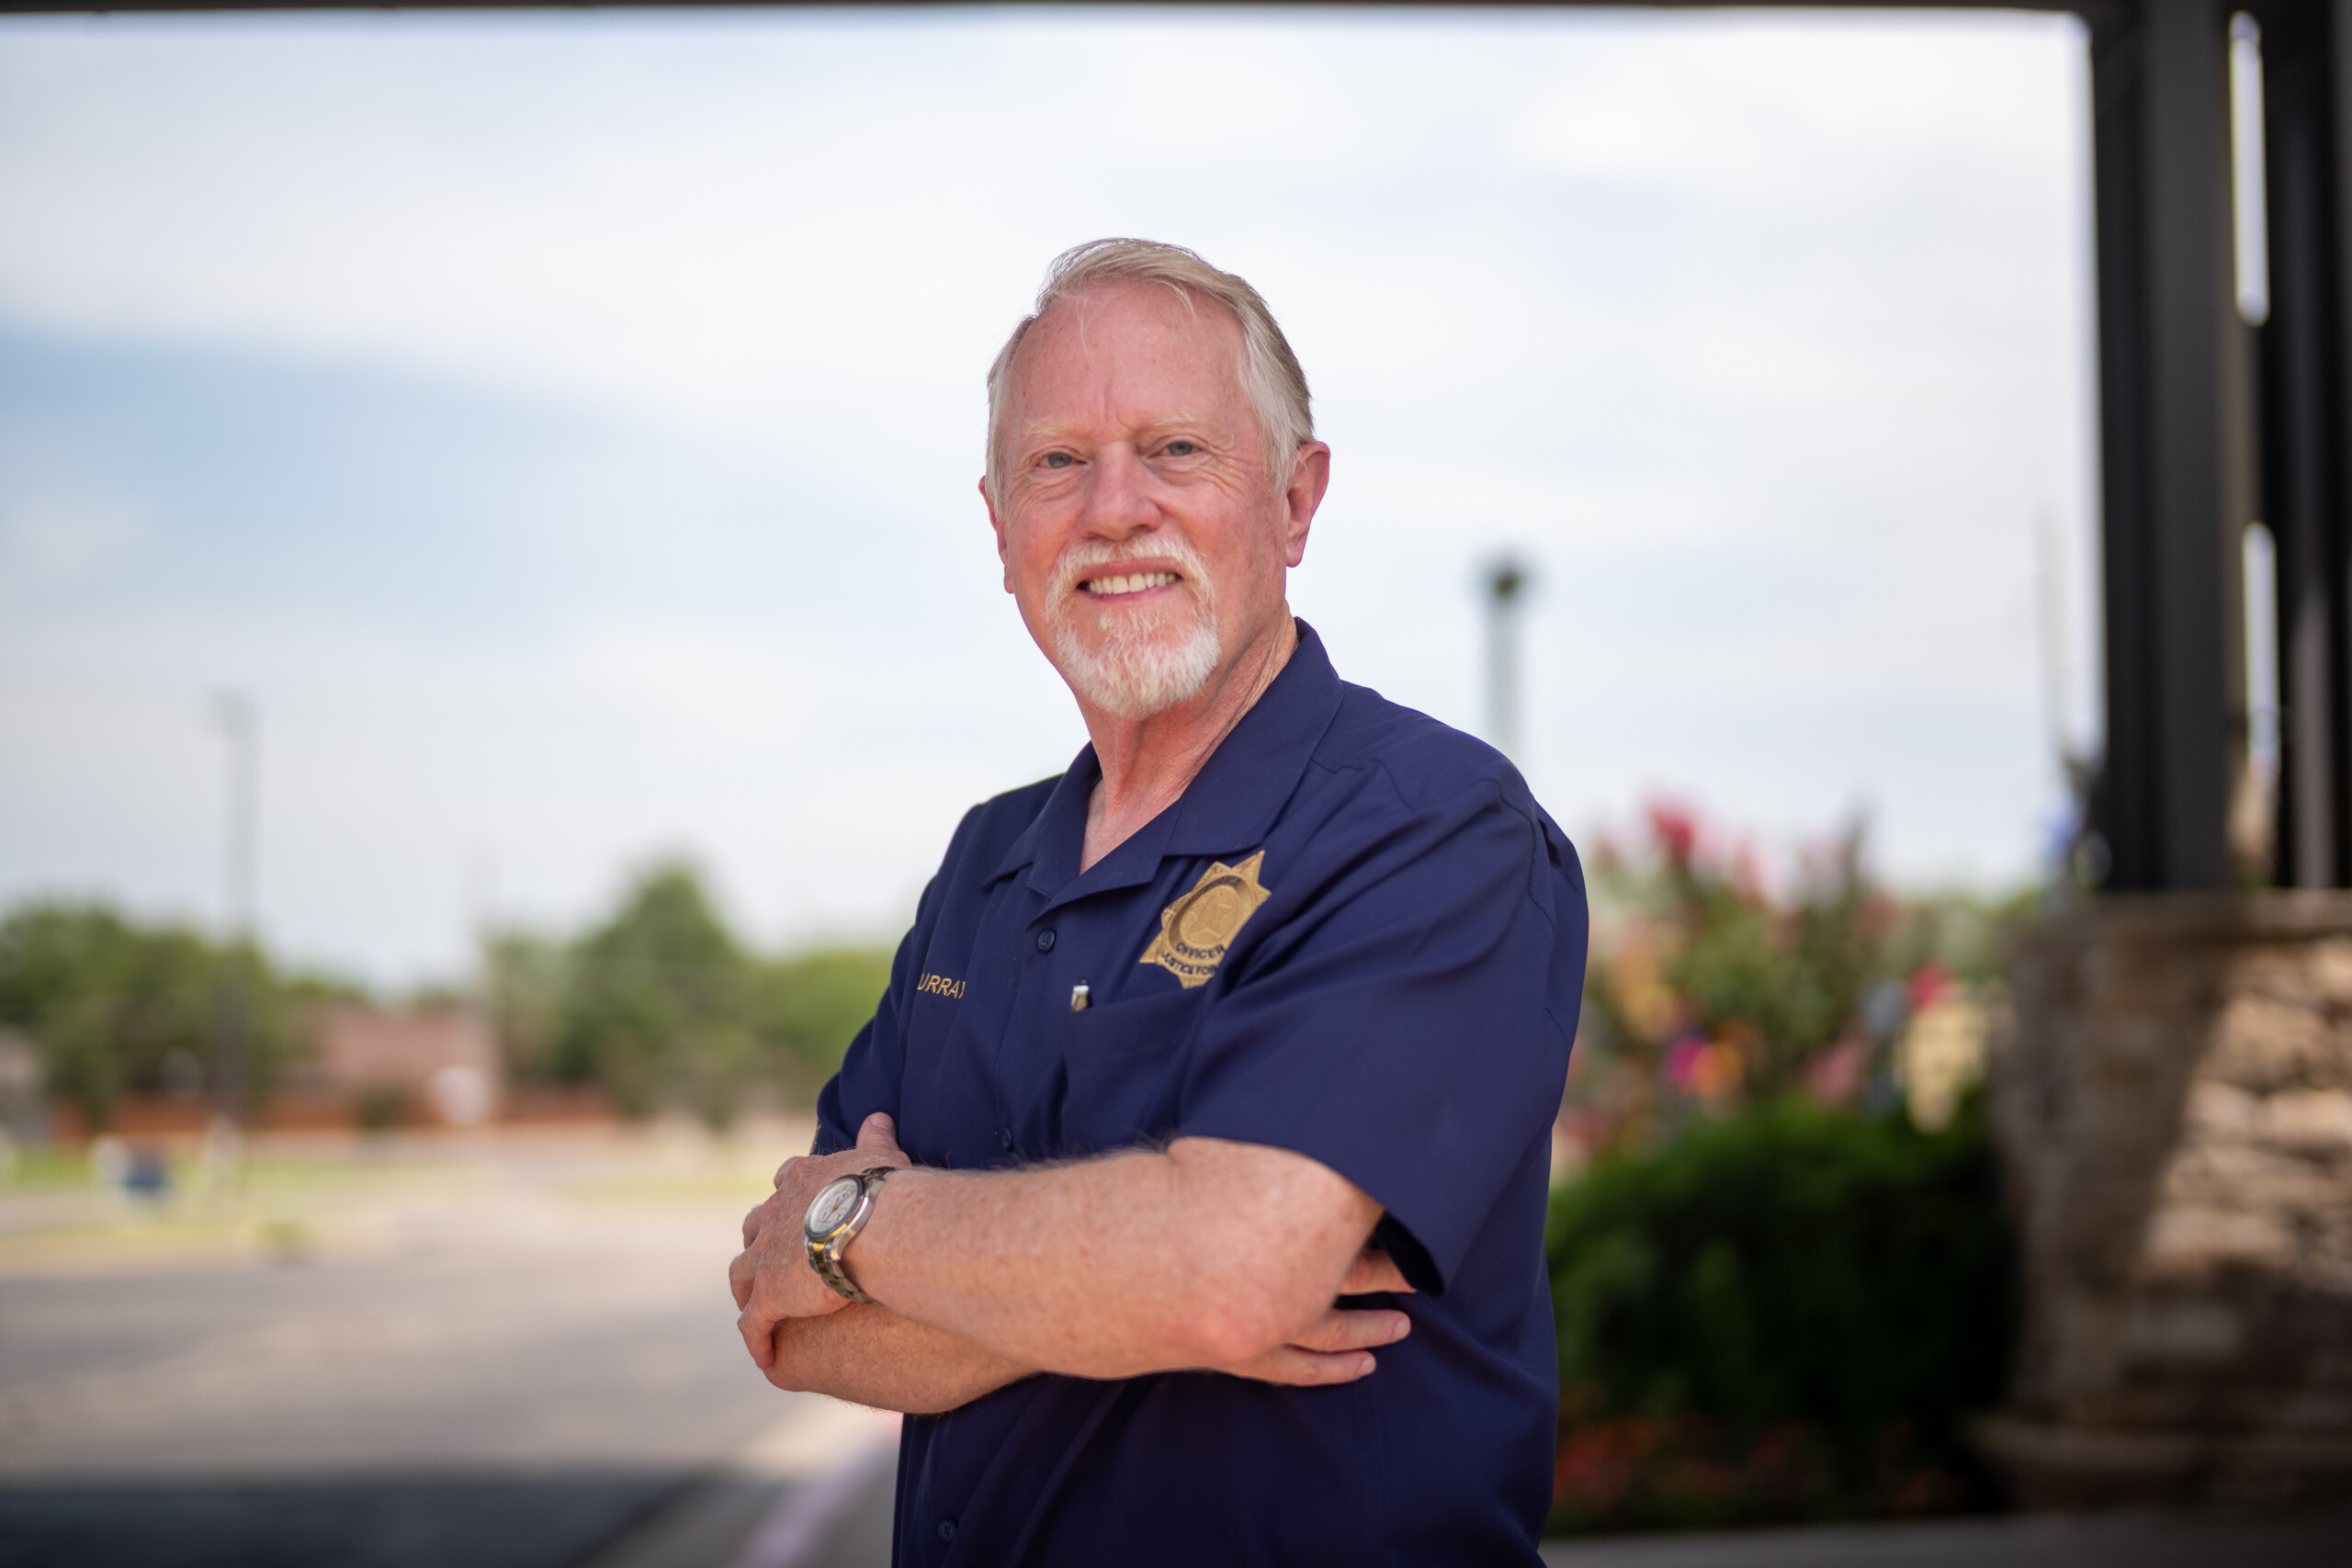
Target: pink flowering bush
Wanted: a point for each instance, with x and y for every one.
(1710, 989)
(1778, 1296)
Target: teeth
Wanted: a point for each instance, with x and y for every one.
(1135, 583)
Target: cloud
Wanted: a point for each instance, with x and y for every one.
(567, 423)
(48, 542)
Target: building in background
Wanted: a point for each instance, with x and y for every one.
(434, 1065)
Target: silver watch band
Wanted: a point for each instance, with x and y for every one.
(825, 1254)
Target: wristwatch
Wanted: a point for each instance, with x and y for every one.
(836, 1214)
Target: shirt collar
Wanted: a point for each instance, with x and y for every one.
(1228, 807)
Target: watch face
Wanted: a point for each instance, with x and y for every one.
(832, 1205)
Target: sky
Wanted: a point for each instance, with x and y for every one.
(564, 427)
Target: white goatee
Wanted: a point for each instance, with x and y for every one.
(1145, 659)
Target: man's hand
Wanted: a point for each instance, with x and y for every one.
(1338, 1347)
(771, 1276)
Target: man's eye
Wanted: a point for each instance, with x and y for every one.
(1182, 448)
(1059, 459)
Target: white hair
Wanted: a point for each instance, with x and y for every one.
(1270, 377)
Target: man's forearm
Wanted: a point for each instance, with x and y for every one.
(869, 1355)
(1207, 1255)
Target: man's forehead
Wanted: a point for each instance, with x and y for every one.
(1126, 338)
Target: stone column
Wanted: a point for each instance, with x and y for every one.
(2172, 1101)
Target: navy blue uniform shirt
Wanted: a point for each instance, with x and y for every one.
(1387, 940)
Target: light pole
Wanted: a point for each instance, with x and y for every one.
(234, 714)
(1506, 579)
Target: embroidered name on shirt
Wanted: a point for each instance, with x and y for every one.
(941, 986)
(1196, 930)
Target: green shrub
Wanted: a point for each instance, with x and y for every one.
(1785, 1313)
(382, 1108)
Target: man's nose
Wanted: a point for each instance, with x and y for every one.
(1118, 506)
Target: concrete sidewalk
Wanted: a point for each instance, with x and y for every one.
(816, 1493)
(2151, 1540)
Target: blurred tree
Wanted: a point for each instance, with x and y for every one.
(662, 1005)
(525, 977)
(115, 1007)
(812, 1007)
(657, 1001)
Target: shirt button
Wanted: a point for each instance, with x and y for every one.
(1045, 939)
(947, 1529)
(1004, 1136)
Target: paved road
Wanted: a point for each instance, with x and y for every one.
(520, 1354)
(507, 1356)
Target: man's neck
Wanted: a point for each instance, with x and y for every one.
(1148, 762)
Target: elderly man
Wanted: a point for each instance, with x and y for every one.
(1186, 1191)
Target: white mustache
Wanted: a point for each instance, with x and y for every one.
(1091, 555)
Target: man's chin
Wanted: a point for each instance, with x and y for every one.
(1130, 699)
(1137, 681)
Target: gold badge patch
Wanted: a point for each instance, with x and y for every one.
(1195, 931)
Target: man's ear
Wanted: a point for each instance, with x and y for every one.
(1004, 558)
(1310, 476)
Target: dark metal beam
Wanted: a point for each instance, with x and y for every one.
(2333, 435)
(2304, 500)
(2176, 459)
(2126, 810)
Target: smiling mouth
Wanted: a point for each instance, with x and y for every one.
(1134, 583)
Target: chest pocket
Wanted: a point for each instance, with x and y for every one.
(1124, 1067)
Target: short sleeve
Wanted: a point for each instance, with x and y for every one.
(1409, 1024)
(872, 1067)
